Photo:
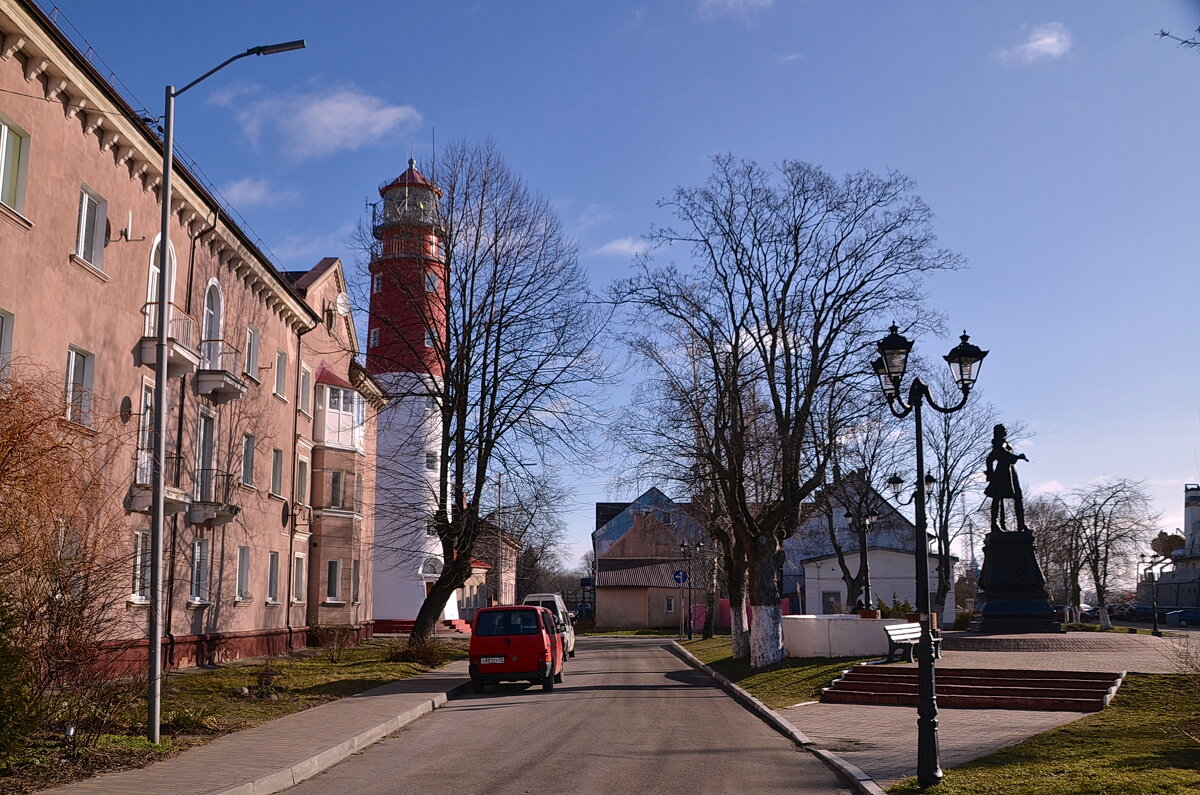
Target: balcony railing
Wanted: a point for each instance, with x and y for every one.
(145, 469)
(181, 327)
(213, 485)
(219, 355)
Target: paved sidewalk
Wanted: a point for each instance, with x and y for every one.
(276, 755)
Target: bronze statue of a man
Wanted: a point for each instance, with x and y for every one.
(1002, 481)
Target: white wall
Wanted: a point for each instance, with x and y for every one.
(891, 573)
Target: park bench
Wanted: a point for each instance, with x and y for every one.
(906, 636)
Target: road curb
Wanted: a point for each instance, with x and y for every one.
(328, 757)
(862, 783)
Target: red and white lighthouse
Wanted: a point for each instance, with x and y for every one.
(405, 346)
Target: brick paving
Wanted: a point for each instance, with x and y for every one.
(882, 740)
(278, 754)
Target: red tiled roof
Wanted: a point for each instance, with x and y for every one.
(410, 177)
(476, 563)
(636, 572)
(327, 376)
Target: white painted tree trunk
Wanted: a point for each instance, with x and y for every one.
(766, 635)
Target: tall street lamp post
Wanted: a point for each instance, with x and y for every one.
(688, 551)
(1152, 576)
(158, 485)
(861, 524)
(964, 362)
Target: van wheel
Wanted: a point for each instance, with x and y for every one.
(548, 683)
(558, 676)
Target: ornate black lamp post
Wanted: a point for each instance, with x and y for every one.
(964, 362)
(861, 523)
(1152, 576)
(689, 551)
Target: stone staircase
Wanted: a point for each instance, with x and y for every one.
(978, 688)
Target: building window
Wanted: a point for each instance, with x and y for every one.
(335, 488)
(6, 330)
(91, 233)
(431, 401)
(373, 338)
(277, 472)
(145, 457)
(333, 585)
(431, 530)
(305, 389)
(377, 282)
(273, 577)
(670, 604)
(431, 282)
(206, 457)
(299, 575)
(355, 575)
(14, 158)
(198, 591)
(252, 339)
(280, 373)
(247, 459)
(140, 590)
(431, 338)
(243, 574)
(212, 346)
(79, 384)
(302, 481)
(431, 461)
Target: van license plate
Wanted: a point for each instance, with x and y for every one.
(490, 660)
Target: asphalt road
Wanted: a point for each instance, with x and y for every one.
(629, 717)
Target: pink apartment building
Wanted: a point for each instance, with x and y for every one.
(270, 472)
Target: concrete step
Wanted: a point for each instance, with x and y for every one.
(967, 702)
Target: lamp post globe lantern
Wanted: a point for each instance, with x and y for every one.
(964, 359)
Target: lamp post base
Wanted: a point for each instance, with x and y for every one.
(1012, 589)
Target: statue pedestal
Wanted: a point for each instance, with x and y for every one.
(1011, 588)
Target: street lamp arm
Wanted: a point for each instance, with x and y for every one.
(896, 400)
(966, 392)
(262, 49)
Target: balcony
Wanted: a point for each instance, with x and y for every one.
(141, 493)
(216, 377)
(211, 505)
(182, 356)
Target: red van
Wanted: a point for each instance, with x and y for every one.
(515, 643)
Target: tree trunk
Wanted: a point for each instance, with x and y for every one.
(710, 601)
(1102, 598)
(737, 613)
(766, 628)
(430, 613)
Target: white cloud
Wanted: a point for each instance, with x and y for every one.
(733, 8)
(592, 215)
(623, 247)
(310, 125)
(1051, 40)
(251, 192)
(1049, 487)
(789, 57)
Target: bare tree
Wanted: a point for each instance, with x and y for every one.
(1059, 546)
(1115, 520)
(513, 373)
(794, 273)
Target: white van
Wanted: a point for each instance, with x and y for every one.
(554, 603)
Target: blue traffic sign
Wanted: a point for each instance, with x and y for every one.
(680, 576)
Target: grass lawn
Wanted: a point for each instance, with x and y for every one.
(199, 705)
(784, 684)
(1139, 745)
(627, 633)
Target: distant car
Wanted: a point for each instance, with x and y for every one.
(1188, 617)
(554, 603)
(514, 643)
(1145, 613)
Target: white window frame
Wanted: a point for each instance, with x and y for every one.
(306, 389)
(13, 174)
(376, 283)
(253, 338)
(206, 456)
(281, 362)
(273, 577)
(81, 366)
(277, 472)
(7, 319)
(373, 338)
(302, 481)
(139, 590)
(243, 575)
(333, 583)
(670, 608)
(89, 242)
(299, 578)
(248, 442)
(198, 585)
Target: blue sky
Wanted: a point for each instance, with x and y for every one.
(1055, 142)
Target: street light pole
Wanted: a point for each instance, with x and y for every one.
(964, 360)
(1150, 563)
(158, 474)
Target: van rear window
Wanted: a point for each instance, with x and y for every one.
(507, 622)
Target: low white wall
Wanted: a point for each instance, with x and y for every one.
(835, 636)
